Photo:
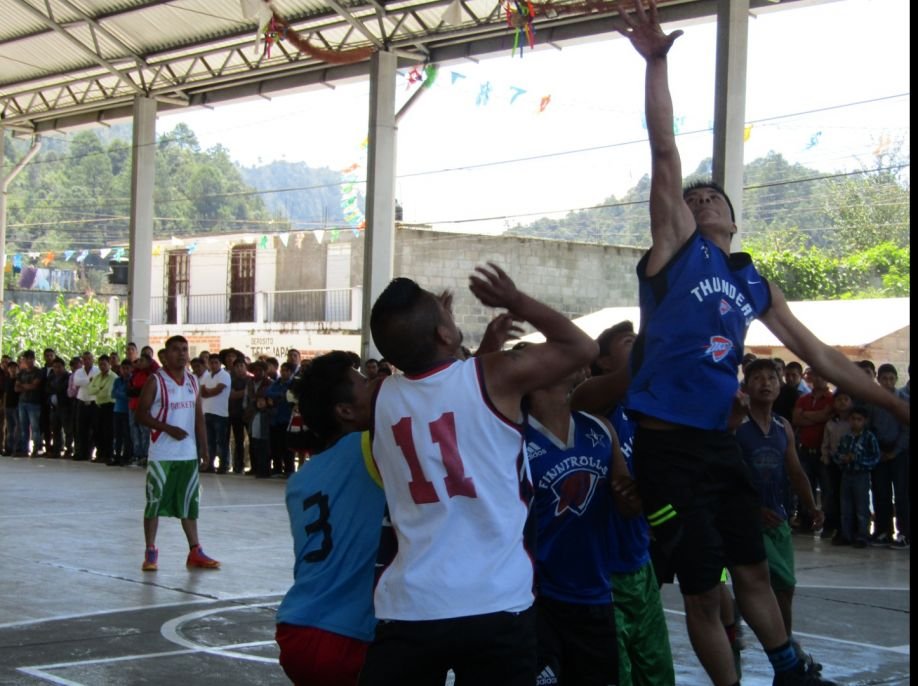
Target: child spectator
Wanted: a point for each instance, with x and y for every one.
(858, 453)
(831, 437)
(11, 409)
(237, 422)
(258, 417)
(887, 429)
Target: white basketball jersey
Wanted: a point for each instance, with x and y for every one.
(173, 404)
(454, 477)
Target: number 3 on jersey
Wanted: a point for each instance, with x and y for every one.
(443, 433)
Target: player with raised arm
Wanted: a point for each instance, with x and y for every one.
(447, 438)
(697, 302)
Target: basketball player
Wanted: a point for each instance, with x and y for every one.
(171, 406)
(572, 457)
(697, 301)
(335, 503)
(448, 443)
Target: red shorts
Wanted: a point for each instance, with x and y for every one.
(319, 658)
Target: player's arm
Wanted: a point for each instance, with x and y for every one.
(512, 374)
(798, 479)
(200, 430)
(671, 221)
(599, 394)
(827, 360)
(499, 330)
(143, 416)
(623, 486)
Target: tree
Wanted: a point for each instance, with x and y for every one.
(69, 328)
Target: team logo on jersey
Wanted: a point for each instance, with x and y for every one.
(596, 438)
(574, 492)
(533, 450)
(718, 348)
(724, 306)
(547, 677)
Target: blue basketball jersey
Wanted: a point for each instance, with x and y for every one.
(694, 317)
(573, 503)
(336, 513)
(630, 535)
(765, 454)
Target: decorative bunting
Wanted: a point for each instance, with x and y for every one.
(33, 255)
(452, 16)
(177, 242)
(47, 259)
(118, 254)
(68, 254)
(334, 235)
(430, 75)
(17, 261)
(83, 256)
(284, 237)
(103, 252)
(157, 250)
(455, 76)
(747, 132)
(546, 99)
(484, 94)
(319, 234)
(517, 92)
(814, 140)
(192, 247)
(263, 242)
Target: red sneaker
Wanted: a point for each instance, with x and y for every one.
(149, 560)
(197, 558)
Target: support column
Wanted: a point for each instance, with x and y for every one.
(379, 237)
(730, 101)
(143, 171)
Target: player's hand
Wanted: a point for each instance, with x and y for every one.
(176, 433)
(644, 30)
(770, 518)
(500, 330)
(738, 411)
(819, 518)
(625, 495)
(493, 287)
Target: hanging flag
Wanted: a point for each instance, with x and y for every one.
(484, 94)
(119, 253)
(452, 16)
(33, 255)
(430, 75)
(747, 132)
(177, 242)
(517, 92)
(17, 261)
(103, 252)
(319, 234)
(157, 250)
(83, 256)
(284, 237)
(48, 259)
(298, 241)
(334, 235)
(455, 76)
(67, 255)
(544, 103)
(814, 140)
(263, 243)
(192, 247)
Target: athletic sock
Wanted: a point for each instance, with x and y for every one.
(196, 545)
(783, 658)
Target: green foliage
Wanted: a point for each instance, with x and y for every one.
(69, 328)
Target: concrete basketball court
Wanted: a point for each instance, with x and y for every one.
(76, 609)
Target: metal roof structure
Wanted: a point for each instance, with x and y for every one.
(71, 62)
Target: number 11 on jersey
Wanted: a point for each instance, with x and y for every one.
(443, 433)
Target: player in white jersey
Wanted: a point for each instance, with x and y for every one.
(447, 440)
(170, 404)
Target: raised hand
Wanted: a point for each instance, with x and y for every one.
(493, 287)
(500, 330)
(644, 30)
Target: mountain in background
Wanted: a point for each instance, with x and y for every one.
(309, 197)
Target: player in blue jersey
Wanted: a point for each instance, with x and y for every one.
(644, 654)
(697, 301)
(336, 504)
(571, 458)
(767, 443)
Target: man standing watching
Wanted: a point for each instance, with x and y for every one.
(811, 413)
(83, 420)
(29, 383)
(215, 391)
(171, 407)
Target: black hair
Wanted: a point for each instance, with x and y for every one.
(273, 360)
(604, 340)
(174, 339)
(323, 385)
(794, 365)
(403, 322)
(355, 360)
(29, 354)
(103, 358)
(757, 365)
(867, 364)
(861, 410)
(371, 359)
(76, 360)
(289, 365)
(886, 368)
(695, 185)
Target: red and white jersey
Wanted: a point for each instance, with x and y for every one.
(173, 404)
(457, 489)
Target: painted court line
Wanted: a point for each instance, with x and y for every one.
(137, 608)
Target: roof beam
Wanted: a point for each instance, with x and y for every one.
(356, 23)
(54, 26)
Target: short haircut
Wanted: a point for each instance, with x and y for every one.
(289, 366)
(197, 360)
(695, 185)
(867, 364)
(174, 339)
(777, 360)
(76, 360)
(793, 365)
(104, 358)
(355, 360)
(29, 354)
(273, 360)
(49, 350)
(57, 360)
(403, 322)
(760, 364)
(604, 340)
(293, 350)
(258, 364)
(861, 410)
(887, 368)
(325, 383)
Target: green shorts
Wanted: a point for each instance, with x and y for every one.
(644, 654)
(779, 549)
(172, 489)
